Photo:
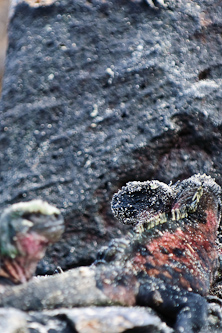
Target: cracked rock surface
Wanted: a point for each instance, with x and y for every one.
(98, 93)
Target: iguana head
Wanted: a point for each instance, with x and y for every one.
(199, 199)
(26, 229)
(149, 204)
(143, 203)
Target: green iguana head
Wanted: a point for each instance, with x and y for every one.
(26, 229)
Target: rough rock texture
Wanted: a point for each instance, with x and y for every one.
(17, 325)
(84, 320)
(97, 93)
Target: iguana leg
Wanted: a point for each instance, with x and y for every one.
(187, 309)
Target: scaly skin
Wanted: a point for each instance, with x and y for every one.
(167, 262)
(173, 258)
(26, 229)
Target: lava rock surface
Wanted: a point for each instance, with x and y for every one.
(98, 93)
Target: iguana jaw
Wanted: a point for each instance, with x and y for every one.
(149, 222)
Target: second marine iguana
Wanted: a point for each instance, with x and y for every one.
(26, 230)
(168, 262)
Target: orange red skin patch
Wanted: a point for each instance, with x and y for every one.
(199, 257)
(192, 271)
(172, 259)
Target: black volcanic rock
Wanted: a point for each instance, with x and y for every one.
(98, 93)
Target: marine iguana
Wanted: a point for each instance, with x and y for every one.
(168, 262)
(26, 229)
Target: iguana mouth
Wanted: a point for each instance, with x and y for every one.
(151, 222)
(177, 213)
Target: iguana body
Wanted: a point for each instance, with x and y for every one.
(168, 262)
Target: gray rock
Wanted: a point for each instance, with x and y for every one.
(99, 93)
(214, 318)
(95, 319)
(83, 320)
(109, 320)
(16, 325)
